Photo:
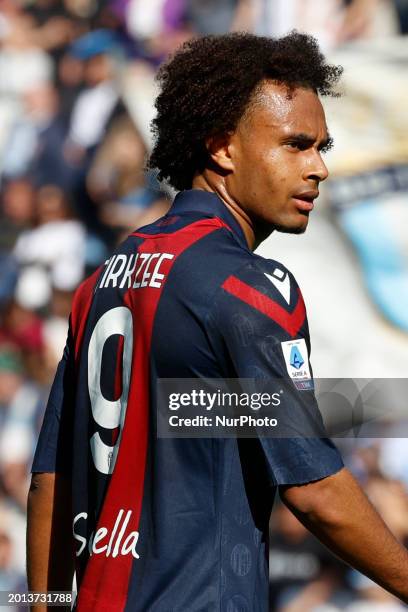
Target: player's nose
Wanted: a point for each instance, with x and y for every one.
(317, 170)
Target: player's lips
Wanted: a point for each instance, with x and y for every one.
(304, 200)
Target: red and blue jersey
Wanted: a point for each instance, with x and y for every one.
(176, 524)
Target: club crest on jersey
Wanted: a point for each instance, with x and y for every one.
(296, 358)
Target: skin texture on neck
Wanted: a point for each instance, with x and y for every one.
(267, 172)
(210, 180)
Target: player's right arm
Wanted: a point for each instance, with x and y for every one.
(337, 511)
(49, 567)
(50, 560)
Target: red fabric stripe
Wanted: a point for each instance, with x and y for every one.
(202, 222)
(105, 583)
(290, 321)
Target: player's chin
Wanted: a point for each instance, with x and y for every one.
(294, 225)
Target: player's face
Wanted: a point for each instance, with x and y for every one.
(276, 154)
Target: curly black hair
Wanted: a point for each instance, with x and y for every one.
(206, 87)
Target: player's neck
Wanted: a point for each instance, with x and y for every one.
(210, 181)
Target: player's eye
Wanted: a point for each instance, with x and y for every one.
(299, 145)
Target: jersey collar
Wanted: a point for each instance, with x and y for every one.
(210, 205)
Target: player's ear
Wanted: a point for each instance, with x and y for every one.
(219, 150)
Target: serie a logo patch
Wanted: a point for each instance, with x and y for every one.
(296, 358)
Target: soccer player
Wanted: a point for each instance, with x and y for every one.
(152, 524)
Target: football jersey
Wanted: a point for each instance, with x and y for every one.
(177, 524)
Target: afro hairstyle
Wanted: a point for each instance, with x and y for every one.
(207, 86)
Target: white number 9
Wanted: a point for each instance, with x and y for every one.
(109, 414)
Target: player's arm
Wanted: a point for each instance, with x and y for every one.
(49, 521)
(337, 511)
(50, 565)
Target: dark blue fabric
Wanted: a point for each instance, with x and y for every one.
(203, 541)
(54, 447)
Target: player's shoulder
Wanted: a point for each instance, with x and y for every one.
(83, 297)
(262, 277)
(202, 267)
(261, 294)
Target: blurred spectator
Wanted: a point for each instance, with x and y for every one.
(16, 212)
(23, 64)
(117, 181)
(303, 573)
(212, 16)
(20, 403)
(371, 597)
(69, 77)
(332, 22)
(11, 579)
(92, 111)
(34, 145)
(161, 26)
(393, 457)
(8, 277)
(52, 253)
(366, 460)
(25, 330)
(401, 7)
(368, 19)
(391, 500)
(96, 103)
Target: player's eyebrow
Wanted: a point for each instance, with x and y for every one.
(306, 140)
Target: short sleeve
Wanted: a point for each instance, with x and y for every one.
(258, 330)
(54, 447)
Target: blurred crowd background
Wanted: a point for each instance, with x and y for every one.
(76, 100)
